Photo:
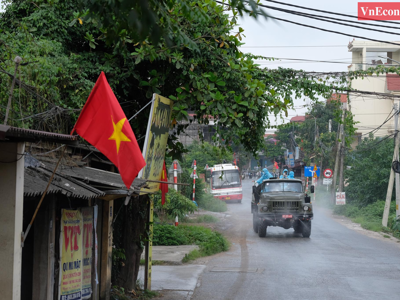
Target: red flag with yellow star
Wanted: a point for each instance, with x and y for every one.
(164, 186)
(103, 124)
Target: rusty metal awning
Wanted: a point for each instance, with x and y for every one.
(9, 133)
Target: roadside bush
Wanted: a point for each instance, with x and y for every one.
(208, 202)
(370, 216)
(203, 219)
(176, 204)
(210, 242)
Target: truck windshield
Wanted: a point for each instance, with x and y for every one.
(226, 179)
(282, 187)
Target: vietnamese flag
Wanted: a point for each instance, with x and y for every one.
(163, 186)
(276, 165)
(103, 124)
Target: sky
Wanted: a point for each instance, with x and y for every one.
(263, 35)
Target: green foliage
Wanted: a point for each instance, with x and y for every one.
(209, 241)
(369, 216)
(317, 123)
(208, 202)
(192, 255)
(176, 204)
(370, 169)
(205, 153)
(202, 219)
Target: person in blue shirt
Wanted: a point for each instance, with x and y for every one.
(265, 175)
(285, 174)
(291, 175)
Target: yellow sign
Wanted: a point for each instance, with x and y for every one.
(156, 141)
(70, 281)
(87, 214)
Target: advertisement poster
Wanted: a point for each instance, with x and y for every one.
(70, 282)
(87, 214)
(156, 141)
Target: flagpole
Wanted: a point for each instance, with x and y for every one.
(152, 100)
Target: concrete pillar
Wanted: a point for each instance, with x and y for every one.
(11, 211)
(364, 58)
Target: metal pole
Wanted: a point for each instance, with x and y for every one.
(175, 175)
(194, 179)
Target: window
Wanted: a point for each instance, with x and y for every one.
(272, 186)
(226, 179)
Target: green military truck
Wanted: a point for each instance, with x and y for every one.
(283, 203)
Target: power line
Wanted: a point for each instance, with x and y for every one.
(311, 60)
(302, 46)
(321, 29)
(328, 12)
(329, 19)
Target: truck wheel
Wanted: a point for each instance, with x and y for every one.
(255, 223)
(297, 227)
(306, 229)
(262, 229)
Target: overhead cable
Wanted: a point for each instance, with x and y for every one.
(321, 29)
(330, 20)
(328, 12)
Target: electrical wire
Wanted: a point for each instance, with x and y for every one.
(329, 12)
(329, 19)
(319, 28)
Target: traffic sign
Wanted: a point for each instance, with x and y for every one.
(328, 173)
(327, 181)
(309, 171)
(341, 198)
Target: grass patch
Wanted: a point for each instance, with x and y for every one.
(370, 216)
(208, 202)
(210, 242)
(153, 263)
(118, 293)
(202, 219)
(192, 255)
(386, 236)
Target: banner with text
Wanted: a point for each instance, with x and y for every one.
(87, 214)
(156, 141)
(70, 281)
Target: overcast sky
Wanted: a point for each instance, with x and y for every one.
(276, 33)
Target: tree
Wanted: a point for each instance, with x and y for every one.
(367, 179)
(313, 136)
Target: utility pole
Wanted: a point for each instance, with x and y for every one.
(391, 178)
(342, 149)
(396, 151)
(338, 149)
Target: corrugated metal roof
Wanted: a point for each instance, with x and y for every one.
(22, 134)
(36, 180)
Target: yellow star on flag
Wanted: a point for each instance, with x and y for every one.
(118, 136)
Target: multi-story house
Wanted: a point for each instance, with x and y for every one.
(371, 111)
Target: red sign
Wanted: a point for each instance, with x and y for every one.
(328, 173)
(370, 11)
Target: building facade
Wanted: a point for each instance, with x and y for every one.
(371, 111)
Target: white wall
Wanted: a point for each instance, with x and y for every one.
(11, 210)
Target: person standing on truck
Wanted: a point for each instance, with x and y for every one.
(291, 175)
(285, 174)
(266, 175)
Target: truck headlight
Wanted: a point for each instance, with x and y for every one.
(265, 208)
(305, 207)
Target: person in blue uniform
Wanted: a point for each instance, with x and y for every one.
(284, 175)
(291, 175)
(265, 175)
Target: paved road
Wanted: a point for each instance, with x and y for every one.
(334, 263)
